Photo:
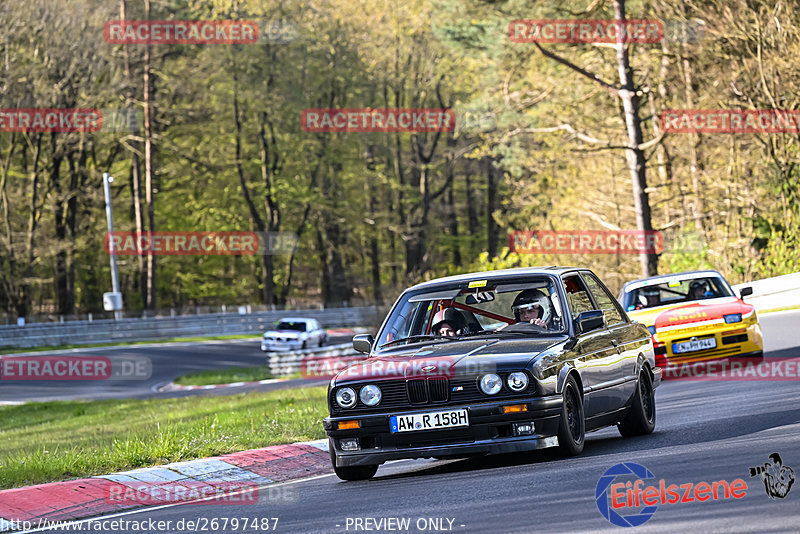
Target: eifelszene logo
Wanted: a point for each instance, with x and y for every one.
(777, 478)
(640, 502)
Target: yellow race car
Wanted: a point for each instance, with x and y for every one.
(694, 316)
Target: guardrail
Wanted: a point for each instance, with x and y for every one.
(287, 363)
(110, 331)
(771, 293)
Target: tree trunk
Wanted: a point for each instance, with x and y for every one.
(290, 269)
(135, 176)
(491, 205)
(149, 166)
(64, 302)
(452, 222)
(695, 144)
(635, 155)
(472, 213)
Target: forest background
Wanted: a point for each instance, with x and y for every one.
(541, 143)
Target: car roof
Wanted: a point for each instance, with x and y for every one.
(552, 270)
(686, 275)
(295, 319)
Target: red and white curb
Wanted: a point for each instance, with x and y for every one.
(87, 497)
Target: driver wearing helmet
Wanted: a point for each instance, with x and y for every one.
(532, 306)
(448, 322)
(699, 290)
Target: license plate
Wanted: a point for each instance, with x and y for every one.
(692, 346)
(429, 421)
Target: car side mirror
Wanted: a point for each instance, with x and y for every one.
(363, 343)
(746, 291)
(590, 320)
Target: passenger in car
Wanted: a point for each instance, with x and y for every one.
(448, 322)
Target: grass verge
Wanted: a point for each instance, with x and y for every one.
(12, 350)
(225, 376)
(51, 441)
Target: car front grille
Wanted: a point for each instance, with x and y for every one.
(418, 392)
(438, 389)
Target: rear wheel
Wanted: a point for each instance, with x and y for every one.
(572, 427)
(353, 472)
(641, 417)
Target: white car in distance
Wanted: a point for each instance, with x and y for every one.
(294, 333)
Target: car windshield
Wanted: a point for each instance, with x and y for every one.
(292, 325)
(529, 306)
(676, 291)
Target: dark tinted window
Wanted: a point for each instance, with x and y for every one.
(299, 327)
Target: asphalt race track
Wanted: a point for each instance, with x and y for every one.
(166, 362)
(705, 432)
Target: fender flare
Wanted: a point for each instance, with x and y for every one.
(568, 369)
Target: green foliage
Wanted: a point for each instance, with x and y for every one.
(553, 137)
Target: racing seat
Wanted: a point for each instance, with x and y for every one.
(471, 322)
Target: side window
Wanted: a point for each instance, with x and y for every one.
(577, 295)
(603, 300)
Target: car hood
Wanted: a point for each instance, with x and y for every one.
(468, 357)
(691, 312)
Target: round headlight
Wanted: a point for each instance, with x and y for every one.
(491, 384)
(370, 395)
(517, 381)
(346, 397)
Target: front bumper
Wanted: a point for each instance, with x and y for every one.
(489, 432)
(732, 340)
(280, 346)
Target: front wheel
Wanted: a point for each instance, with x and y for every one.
(641, 417)
(572, 427)
(355, 472)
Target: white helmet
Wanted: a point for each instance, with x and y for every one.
(531, 298)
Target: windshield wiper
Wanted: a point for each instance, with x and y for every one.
(420, 337)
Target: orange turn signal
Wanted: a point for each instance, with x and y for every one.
(349, 425)
(514, 408)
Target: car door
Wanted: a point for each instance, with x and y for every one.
(620, 369)
(596, 354)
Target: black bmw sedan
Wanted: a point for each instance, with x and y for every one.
(492, 362)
